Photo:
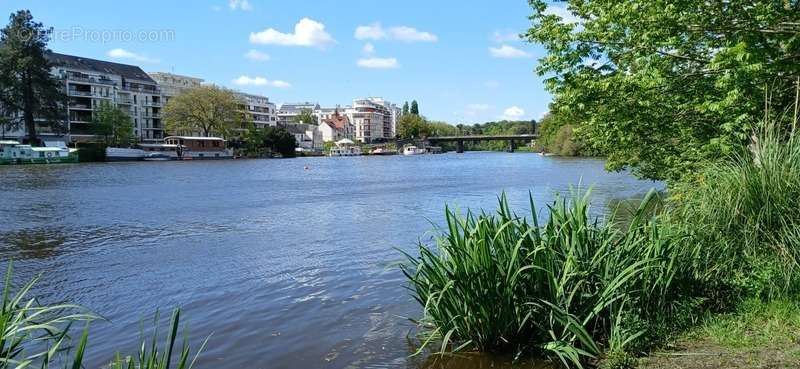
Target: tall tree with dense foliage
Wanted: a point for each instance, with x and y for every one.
(412, 126)
(306, 116)
(405, 108)
(662, 86)
(414, 108)
(205, 110)
(27, 89)
(113, 125)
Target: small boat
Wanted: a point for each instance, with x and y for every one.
(412, 150)
(383, 151)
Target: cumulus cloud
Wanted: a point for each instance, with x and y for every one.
(256, 55)
(260, 81)
(507, 52)
(378, 63)
(400, 33)
(513, 113)
(307, 32)
(125, 54)
(240, 5)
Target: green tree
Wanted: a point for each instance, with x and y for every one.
(663, 86)
(204, 110)
(405, 108)
(306, 116)
(414, 107)
(412, 126)
(270, 140)
(26, 85)
(113, 124)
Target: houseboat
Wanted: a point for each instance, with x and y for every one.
(345, 147)
(173, 148)
(12, 152)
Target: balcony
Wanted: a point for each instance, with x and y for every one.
(89, 79)
(155, 104)
(124, 101)
(80, 93)
(145, 89)
(151, 115)
(76, 106)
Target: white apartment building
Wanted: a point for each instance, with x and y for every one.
(262, 112)
(288, 111)
(373, 118)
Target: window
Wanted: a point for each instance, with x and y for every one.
(216, 143)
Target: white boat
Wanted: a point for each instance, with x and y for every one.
(124, 154)
(412, 150)
(173, 148)
(345, 147)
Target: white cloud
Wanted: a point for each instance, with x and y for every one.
(505, 36)
(410, 34)
(513, 113)
(370, 32)
(240, 5)
(125, 54)
(368, 49)
(565, 14)
(260, 81)
(375, 31)
(256, 55)
(378, 63)
(492, 84)
(508, 52)
(307, 32)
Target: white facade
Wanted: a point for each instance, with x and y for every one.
(260, 109)
(374, 119)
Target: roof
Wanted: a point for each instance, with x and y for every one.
(77, 62)
(297, 128)
(337, 121)
(296, 107)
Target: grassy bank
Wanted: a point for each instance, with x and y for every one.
(588, 292)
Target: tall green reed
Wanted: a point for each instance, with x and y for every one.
(566, 289)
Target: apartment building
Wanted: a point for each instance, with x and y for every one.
(174, 84)
(288, 112)
(89, 82)
(374, 119)
(261, 111)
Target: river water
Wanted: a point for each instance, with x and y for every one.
(284, 266)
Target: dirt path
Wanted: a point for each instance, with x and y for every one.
(706, 354)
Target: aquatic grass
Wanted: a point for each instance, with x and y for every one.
(151, 356)
(503, 283)
(741, 219)
(33, 333)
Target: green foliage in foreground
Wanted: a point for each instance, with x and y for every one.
(36, 335)
(741, 219)
(572, 288)
(754, 324)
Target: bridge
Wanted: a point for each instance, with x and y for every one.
(459, 140)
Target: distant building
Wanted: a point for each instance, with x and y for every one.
(288, 112)
(308, 136)
(336, 127)
(261, 111)
(173, 84)
(374, 119)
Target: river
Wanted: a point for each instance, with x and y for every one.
(285, 263)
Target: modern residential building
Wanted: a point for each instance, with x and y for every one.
(262, 112)
(336, 127)
(374, 119)
(174, 84)
(89, 83)
(288, 112)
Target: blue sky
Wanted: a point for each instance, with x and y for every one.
(459, 59)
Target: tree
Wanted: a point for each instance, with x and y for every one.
(204, 110)
(113, 124)
(270, 140)
(306, 116)
(26, 86)
(414, 108)
(663, 87)
(405, 108)
(412, 126)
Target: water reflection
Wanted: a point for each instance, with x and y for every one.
(32, 244)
